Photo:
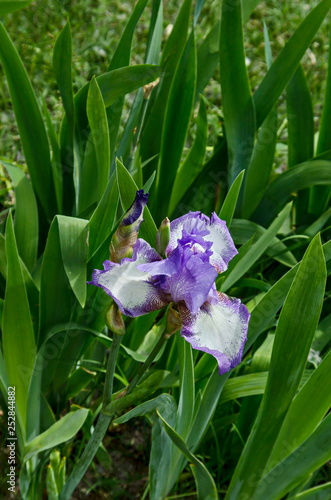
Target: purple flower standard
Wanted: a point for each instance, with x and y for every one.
(199, 248)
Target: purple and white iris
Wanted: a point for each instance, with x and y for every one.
(199, 248)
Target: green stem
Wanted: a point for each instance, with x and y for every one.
(100, 429)
(143, 369)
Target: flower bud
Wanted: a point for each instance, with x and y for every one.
(163, 236)
(126, 234)
(114, 320)
(173, 322)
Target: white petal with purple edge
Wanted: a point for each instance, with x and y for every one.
(218, 328)
(128, 286)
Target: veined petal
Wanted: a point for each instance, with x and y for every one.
(130, 288)
(218, 328)
(184, 275)
(223, 247)
(212, 230)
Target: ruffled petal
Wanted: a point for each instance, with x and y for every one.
(213, 230)
(131, 288)
(218, 328)
(223, 247)
(184, 275)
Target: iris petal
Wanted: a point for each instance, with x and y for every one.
(218, 328)
(212, 230)
(131, 288)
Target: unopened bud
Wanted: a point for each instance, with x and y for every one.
(163, 236)
(126, 234)
(114, 320)
(173, 322)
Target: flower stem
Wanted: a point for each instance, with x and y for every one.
(100, 428)
(143, 369)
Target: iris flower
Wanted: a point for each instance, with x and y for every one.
(199, 248)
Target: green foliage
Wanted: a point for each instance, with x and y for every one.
(149, 121)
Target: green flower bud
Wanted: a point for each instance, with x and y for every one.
(163, 236)
(114, 320)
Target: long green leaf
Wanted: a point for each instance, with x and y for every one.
(300, 119)
(300, 132)
(207, 58)
(238, 108)
(279, 192)
(322, 492)
(264, 312)
(63, 430)
(137, 112)
(73, 234)
(10, 5)
(62, 64)
(176, 121)
(56, 297)
(306, 459)
(155, 111)
(259, 169)
(293, 338)
(242, 230)
(121, 57)
(206, 488)
(99, 175)
(115, 84)
(104, 217)
(299, 423)
(30, 123)
(286, 63)
(193, 162)
(320, 195)
(26, 216)
(18, 339)
(248, 385)
(187, 389)
(256, 250)
(230, 202)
